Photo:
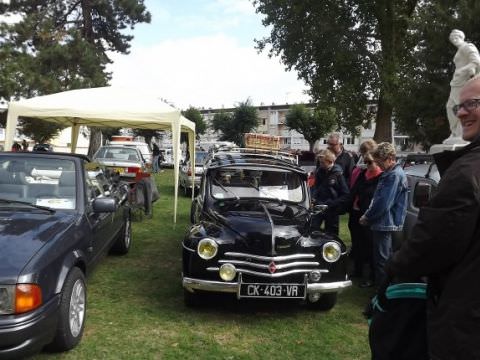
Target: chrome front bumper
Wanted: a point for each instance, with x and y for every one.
(191, 285)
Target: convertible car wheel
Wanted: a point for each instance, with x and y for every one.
(124, 240)
(326, 302)
(73, 306)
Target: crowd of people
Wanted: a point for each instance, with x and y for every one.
(373, 190)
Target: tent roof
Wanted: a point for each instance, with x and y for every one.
(103, 106)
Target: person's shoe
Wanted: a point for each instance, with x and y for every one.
(366, 284)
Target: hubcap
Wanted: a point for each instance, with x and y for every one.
(127, 233)
(77, 308)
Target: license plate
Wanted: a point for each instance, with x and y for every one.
(290, 291)
(120, 170)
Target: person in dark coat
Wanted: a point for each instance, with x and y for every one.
(361, 195)
(445, 243)
(330, 189)
(343, 158)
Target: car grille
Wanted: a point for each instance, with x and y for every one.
(270, 267)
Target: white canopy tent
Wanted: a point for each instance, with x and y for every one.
(106, 107)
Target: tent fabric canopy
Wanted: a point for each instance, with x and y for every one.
(105, 107)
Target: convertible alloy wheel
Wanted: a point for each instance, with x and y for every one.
(124, 240)
(72, 311)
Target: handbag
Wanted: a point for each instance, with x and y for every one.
(397, 318)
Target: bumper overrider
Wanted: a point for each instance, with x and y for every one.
(191, 285)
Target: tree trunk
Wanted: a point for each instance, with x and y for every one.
(383, 126)
(95, 141)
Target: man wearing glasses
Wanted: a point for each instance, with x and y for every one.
(445, 242)
(344, 158)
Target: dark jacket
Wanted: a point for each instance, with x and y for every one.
(346, 162)
(363, 189)
(445, 246)
(330, 188)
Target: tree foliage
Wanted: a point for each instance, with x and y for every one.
(193, 114)
(312, 124)
(233, 126)
(62, 45)
(394, 52)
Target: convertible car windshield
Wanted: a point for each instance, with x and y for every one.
(47, 182)
(255, 183)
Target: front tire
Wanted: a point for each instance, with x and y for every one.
(193, 299)
(72, 311)
(124, 239)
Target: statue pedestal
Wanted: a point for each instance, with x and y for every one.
(447, 146)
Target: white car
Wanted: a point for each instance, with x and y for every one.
(185, 174)
(142, 146)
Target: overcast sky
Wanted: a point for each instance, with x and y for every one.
(202, 53)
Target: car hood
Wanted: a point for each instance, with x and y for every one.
(264, 227)
(23, 234)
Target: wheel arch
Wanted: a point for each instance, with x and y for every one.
(74, 259)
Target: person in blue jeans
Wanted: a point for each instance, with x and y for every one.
(387, 211)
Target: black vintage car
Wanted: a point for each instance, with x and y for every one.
(252, 235)
(59, 213)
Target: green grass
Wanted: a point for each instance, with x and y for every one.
(136, 310)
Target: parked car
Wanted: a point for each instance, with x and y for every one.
(185, 175)
(42, 147)
(423, 182)
(129, 164)
(143, 147)
(409, 159)
(59, 214)
(252, 235)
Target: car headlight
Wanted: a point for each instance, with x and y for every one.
(20, 298)
(227, 272)
(7, 299)
(207, 248)
(331, 251)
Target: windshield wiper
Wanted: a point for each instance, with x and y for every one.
(45, 208)
(225, 189)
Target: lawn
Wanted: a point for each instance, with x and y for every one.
(136, 310)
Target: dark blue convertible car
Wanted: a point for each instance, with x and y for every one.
(59, 213)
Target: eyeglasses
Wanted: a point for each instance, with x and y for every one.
(468, 105)
(332, 144)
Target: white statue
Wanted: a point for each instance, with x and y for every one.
(467, 65)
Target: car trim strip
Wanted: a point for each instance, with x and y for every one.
(266, 266)
(275, 275)
(270, 258)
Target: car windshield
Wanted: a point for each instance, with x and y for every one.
(200, 157)
(262, 183)
(46, 182)
(118, 153)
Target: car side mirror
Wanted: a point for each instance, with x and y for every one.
(104, 204)
(422, 194)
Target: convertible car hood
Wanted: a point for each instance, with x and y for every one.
(22, 234)
(264, 228)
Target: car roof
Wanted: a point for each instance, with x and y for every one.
(235, 158)
(429, 171)
(47, 154)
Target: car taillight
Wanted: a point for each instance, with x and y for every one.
(133, 170)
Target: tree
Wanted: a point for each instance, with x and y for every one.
(313, 125)
(63, 45)
(233, 127)
(195, 115)
(393, 52)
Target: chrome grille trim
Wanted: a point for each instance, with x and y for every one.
(270, 258)
(265, 266)
(275, 275)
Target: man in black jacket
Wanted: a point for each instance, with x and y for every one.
(445, 243)
(330, 189)
(344, 159)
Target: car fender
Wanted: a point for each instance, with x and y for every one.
(76, 258)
